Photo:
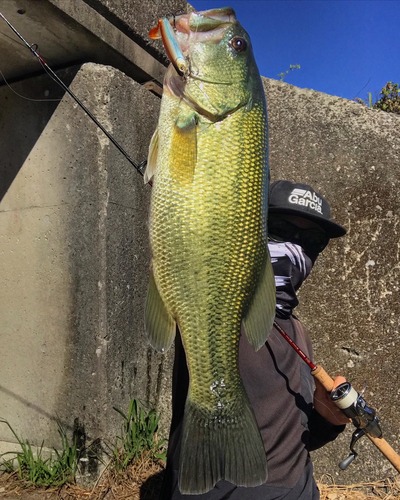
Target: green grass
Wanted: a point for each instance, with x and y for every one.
(138, 440)
(139, 436)
(55, 470)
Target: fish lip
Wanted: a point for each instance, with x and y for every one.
(185, 26)
(182, 23)
(206, 80)
(177, 31)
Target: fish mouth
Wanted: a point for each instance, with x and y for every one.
(205, 24)
(179, 32)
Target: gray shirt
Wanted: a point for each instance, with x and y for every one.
(280, 389)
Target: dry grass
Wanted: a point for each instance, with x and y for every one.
(386, 489)
(142, 481)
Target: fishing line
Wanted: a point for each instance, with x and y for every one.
(362, 88)
(22, 96)
(33, 48)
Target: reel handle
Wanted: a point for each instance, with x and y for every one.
(382, 445)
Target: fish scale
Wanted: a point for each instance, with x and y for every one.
(210, 263)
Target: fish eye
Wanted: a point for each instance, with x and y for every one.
(239, 44)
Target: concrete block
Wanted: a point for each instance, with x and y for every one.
(75, 261)
(137, 17)
(351, 155)
(68, 32)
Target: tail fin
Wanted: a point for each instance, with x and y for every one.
(215, 448)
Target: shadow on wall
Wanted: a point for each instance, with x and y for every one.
(89, 449)
(36, 408)
(23, 118)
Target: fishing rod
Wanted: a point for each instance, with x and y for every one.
(140, 167)
(353, 406)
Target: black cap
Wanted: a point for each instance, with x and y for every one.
(286, 197)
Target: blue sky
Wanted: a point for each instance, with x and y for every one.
(341, 45)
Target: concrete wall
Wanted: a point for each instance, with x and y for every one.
(350, 303)
(73, 220)
(75, 258)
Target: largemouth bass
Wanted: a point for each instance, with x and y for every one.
(210, 264)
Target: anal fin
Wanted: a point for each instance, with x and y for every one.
(160, 325)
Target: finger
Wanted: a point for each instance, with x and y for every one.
(338, 380)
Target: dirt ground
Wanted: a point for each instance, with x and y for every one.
(143, 482)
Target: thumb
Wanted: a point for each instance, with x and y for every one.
(337, 381)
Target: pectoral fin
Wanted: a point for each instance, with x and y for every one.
(160, 325)
(151, 158)
(184, 148)
(260, 315)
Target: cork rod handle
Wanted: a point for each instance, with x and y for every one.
(320, 374)
(384, 447)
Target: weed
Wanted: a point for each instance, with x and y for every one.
(7, 466)
(291, 68)
(388, 99)
(52, 471)
(139, 435)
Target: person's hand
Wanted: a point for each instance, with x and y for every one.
(327, 408)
